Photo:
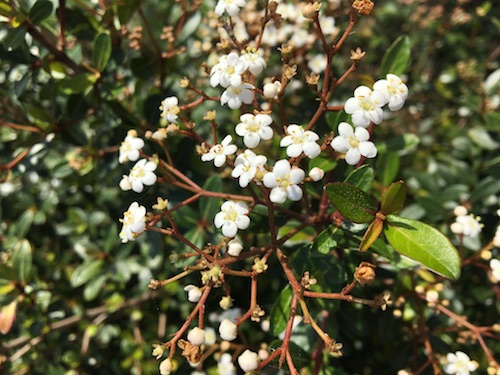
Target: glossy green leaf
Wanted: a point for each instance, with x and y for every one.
(333, 119)
(281, 311)
(393, 198)
(86, 272)
(40, 10)
(305, 235)
(371, 235)
(387, 167)
(210, 206)
(362, 178)
(325, 241)
(483, 139)
(102, 51)
(22, 260)
(126, 10)
(423, 243)
(77, 84)
(299, 356)
(353, 203)
(325, 163)
(397, 57)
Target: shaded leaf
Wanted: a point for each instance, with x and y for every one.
(189, 28)
(353, 203)
(397, 57)
(325, 163)
(361, 177)
(423, 243)
(102, 51)
(393, 198)
(210, 206)
(40, 10)
(387, 167)
(325, 241)
(93, 288)
(281, 311)
(85, 272)
(22, 260)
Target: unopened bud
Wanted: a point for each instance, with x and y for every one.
(248, 361)
(460, 211)
(194, 293)
(234, 248)
(271, 90)
(228, 330)
(184, 82)
(196, 336)
(125, 184)
(310, 10)
(158, 351)
(316, 174)
(166, 367)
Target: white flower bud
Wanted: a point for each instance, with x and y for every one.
(234, 248)
(271, 90)
(432, 296)
(196, 336)
(460, 211)
(210, 336)
(496, 241)
(194, 293)
(125, 184)
(457, 228)
(166, 367)
(316, 174)
(263, 354)
(248, 361)
(228, 330)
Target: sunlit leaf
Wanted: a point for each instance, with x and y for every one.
(397, 57)
(22, 260)
(353, 203)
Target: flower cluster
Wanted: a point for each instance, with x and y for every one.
(466, 224)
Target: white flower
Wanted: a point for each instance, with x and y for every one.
(253, 128)
(394, 89)
(318, 63)
(194, 293)
(210, 336)
(141, 174)
(134, 222)
(284, 182)
(125, 183)
(227, 71)
(218, 153)
(300, 140)
(467, 225)
(234, 96)
(459, 363)
(365, 106)
(228, 330)
(233, 216)
(196, 336)
(496, 239)
(460, 211)
(354, 142)
(234, 248)
(225, 365)
(170, 109)
(248, 361)
(130, 147)
(495, 270)
(166, 367)
(231, 7)
(327, 25)
(246, 166)
(272, 89)
(254, 62)
(316, 174)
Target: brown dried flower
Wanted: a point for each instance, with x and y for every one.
(363, 7)
(365, 273)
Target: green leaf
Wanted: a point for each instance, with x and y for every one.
(483, 139)
(281, 311)
(325, 163)
(393, 198)
(93, 288)
(77, 84)
(24, 223)
(189, 28)
(85, 272)
(40, 11)
(305, 235)
(423, 243)
(397, 57)
(371, 234)
(325, 241)
(102, 51)
(333, 119)
(362, 178)
(7, 272)
(22, 260)
(210, 206)
(353, 203)
(126, 10)
(402, 144)
(387, 167)
(485, 188)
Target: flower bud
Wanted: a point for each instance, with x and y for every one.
(194, 293)
(196, 336)
(225, 303)
(460, 211)
(228, 330)
(432, 296)
(316, 174)
(271, 90)
(234, 248)
(125, 184)
(310, 10)
(248, 361)
(457, 228)
(365, 273)
(166, 367)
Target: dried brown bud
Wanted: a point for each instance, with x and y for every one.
(191, 352)
(365, 273)
(363, 7)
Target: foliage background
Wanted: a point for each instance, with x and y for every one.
(82, 297)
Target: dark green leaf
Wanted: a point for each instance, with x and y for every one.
(362, 178)
(40, 11)
(402, 144)
(14, 38)
(485, 188)
(333, 119)
(85, 272)
(281, 311)
(387, 167)
(353, 203)
(325, 241)
(393, 198)
(24, 223)
(22, 260)
(77, 84)
(102, 51)
(397, 57)
(423, 243)
(7, 272)
(126, 10)
(325, 163)
(210, 206)
(300, 357)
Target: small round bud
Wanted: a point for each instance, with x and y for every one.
(184, 82)
(234, 248)
(263, 354)
(460, 211)
(496, 241)
(196, 336)
(248, 361)
(457, 228)
(225, 303)
(316, 174)
(309, 11)
(271, 90)
(194, 293)
(228, 330)
(125, 184)
(432, 296)
(225, 346)
(166, 367)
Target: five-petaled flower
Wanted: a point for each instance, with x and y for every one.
(130, 147)
(394, 89)
(231, 7)
(254, 62)
(247, 165)
(299, 140)
(227, 71)
(134, 222)
(170, 109)
(141, 174)
(232, 216)
(459, 363)
(356, 143)
(283, 181)
(219, 152)
(253, 128)
(365, 106)
(234, 96)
